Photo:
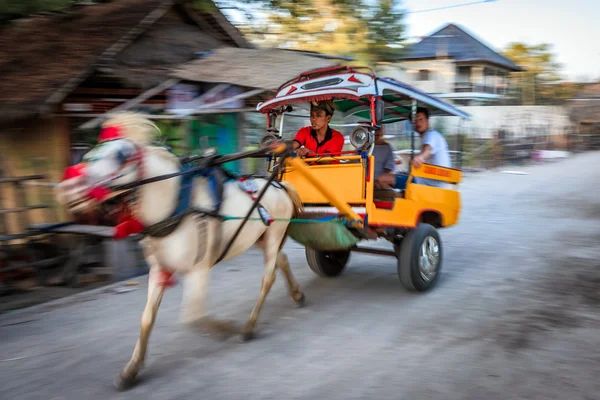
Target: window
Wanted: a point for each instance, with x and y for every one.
(423, 75)
(462, 102)
(464, 74)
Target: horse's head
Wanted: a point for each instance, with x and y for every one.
(117, 159)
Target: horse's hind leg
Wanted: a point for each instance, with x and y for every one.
(271, 250)
(293, 286)
(194, 304)
(156, 289)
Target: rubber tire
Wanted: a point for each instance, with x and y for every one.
(323, 265)
(408, 258)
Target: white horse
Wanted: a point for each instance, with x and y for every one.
(196, 243)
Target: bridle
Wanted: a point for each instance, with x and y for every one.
(103, 189)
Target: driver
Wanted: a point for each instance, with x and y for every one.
(319, 138)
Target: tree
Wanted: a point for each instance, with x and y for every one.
(541, 81)
(13, 9)
(370, 31)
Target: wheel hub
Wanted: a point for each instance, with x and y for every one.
(429, 258)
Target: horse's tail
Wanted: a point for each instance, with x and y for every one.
(291, 191)
(298, 206)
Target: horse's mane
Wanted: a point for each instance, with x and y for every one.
(133, 126)
(164, 154)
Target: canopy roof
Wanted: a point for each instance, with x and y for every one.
(351, 90)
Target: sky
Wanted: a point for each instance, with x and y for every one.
(572, 27)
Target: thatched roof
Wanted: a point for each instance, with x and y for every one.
(585, 105)
(589, 91)
(169, 43)
(254, 68)
(585, 111)
(43, 58)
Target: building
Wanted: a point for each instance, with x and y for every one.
(454, 65)
(584, 112)
(59, 71)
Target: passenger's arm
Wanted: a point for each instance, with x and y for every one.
(426, 151)
(299, 141)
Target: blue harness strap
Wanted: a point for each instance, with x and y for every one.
(216, 178)
(215, 186)
(185, 194)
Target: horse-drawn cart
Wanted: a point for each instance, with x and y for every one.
(408, 217)
(193, 214)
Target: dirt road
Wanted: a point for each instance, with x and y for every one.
(515, 315)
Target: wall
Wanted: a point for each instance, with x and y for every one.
(39, 146)
(219, 131)
(441, 75)
(518, 121)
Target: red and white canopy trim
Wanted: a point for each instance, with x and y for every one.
(317, 95)
(348, 83)
(351, 85)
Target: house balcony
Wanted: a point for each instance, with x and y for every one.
(469, 87)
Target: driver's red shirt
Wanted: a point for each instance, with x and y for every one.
(333, 142)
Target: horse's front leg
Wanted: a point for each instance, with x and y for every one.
(156, 289)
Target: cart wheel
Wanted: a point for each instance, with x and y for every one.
(327, 263)
(420, 258)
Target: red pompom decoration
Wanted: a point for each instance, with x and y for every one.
(165, 279)
(74, 171)
(128, 226)
(110, 133)
(99, 193)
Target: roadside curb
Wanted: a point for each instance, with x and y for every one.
(68, 300)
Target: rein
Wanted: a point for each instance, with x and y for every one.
(183, 209)
(205, 162)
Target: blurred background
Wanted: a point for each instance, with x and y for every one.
(199, 68)
(516, 311)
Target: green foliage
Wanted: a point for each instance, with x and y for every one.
(540, 82)
(537, 59)
(12, 9)
(385, 28)
(358, 28)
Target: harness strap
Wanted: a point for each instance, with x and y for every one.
(216, 176)
(168, 226)
(254, 205)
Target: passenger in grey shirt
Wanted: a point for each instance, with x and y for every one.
(384, 162)
(434, 149)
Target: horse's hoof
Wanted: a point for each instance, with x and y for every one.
(301, 301)
(124, 382)
(247, 335)
(221, 329)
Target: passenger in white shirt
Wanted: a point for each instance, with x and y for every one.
(434, 149)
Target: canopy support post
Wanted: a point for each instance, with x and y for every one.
(413, 118)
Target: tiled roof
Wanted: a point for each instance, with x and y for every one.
(455, 42)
